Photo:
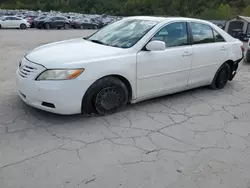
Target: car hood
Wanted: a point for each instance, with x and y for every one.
(71, 53)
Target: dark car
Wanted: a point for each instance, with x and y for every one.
(37, 21)
(84, 24)
(30, 20)
(57, 22)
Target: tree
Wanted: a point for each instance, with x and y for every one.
(246, 12)
(224, 12)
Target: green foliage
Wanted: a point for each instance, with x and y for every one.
(206, 9)
(247, 11)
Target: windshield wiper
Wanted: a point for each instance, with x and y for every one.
(97, 41)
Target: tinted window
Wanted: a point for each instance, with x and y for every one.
(218, 37)
(60, 18)
(202, 33)
(174, 34)
(52, 18)
(14, 18)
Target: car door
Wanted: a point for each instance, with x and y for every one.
(59, 22)
(163, 71)
(209, 51)
(51, 21)
(7, 22)
(16, 22)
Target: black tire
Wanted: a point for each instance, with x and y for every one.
(222, 77)
(248, 56)
(47, 26)
(105, 96)
(0, 26)
(66, 26)
(23, 26)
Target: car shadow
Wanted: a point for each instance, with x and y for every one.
(56, 118)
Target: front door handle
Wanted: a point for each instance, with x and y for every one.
(223, 48)
(185, 54)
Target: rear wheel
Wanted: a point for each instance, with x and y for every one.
(47, 26)
(248, 56)
(23, 26)
(0, 26)
(221, 77)
(66, 26)
(105, 96)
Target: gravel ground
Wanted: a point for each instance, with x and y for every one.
(194, 139)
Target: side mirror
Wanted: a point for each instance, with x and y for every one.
(156, 46)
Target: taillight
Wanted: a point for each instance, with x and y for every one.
(242, 48)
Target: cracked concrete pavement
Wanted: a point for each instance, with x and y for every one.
(194, 139)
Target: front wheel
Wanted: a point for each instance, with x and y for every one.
(105, 96)
(221, 77)
(23, 26)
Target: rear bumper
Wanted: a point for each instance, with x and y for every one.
(235, 68)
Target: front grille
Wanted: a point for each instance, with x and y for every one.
(29, 70)
(25, 71)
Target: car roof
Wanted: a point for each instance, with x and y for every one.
(162, 19)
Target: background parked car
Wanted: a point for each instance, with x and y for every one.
(248, 51)
(38, 21)
(57, 22)
(84, 24)
(30, 20)
(13, 22)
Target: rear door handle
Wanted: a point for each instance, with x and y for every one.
(185, 54)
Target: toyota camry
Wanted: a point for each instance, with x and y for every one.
(128, 61)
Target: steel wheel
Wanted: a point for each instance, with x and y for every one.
(81, 27)
(108, 99)
(221, 77)
(105, 96)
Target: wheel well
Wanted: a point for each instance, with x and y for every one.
(121, 78)
(126, 82)
(231, 65)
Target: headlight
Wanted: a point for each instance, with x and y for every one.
(60, 74)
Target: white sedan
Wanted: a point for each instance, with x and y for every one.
(13, 22)
(131, 60)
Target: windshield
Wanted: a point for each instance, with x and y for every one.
(123, 33)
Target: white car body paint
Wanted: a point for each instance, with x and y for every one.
(150, 74)
(13, 23)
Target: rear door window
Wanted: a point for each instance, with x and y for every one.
(202, 33)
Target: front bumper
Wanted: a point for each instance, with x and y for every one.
(60, 97)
